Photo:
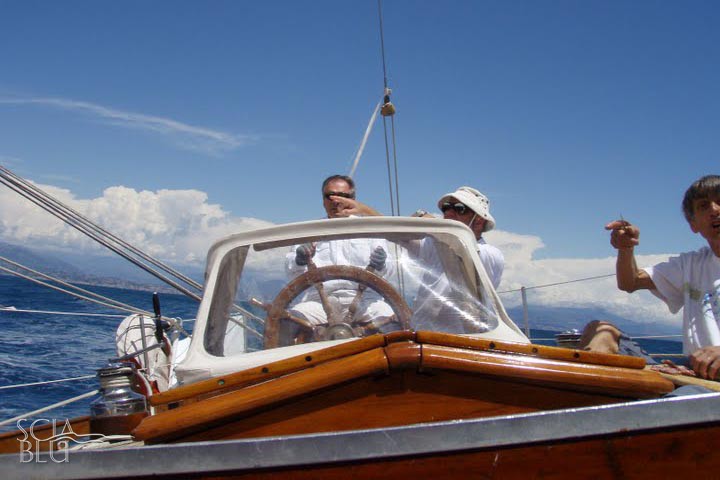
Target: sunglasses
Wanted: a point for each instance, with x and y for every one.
(338, 194)
(460, 208)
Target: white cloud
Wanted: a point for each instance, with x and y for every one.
(180, 225)
(175, 225)
(188, 136)
(521, 269)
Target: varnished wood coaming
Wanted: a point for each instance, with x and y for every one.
(267, 372)
(529, 349)
(413, 378)
(400, 398)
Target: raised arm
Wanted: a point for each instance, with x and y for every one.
(624, 237)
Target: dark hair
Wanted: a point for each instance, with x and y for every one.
(344, 178)
(707, 186)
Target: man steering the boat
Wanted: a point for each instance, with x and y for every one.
(334, 297)
(690, 281)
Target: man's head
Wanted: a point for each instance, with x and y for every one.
(338, 186)
(701, 206)
(470, 207)
(703, 188)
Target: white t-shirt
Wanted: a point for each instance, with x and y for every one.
(493, 260)
(691, 281)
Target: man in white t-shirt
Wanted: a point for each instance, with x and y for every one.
(690, 281)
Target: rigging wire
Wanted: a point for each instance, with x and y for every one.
(74, 294)
(47, 382)
(75, 220)
(79, 219)
(382, 44)
(82, 220)
(388, 110)
(120, 305)
(53, 312)
(10, 421)
(102, 236)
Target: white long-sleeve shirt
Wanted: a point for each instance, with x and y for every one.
(354, 251)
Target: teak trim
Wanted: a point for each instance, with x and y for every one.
(531, 349)
(609, 380)
(210, 412)
(268, 371)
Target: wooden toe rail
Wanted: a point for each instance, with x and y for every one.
(530, 349)
(216, 410)
(268, 371)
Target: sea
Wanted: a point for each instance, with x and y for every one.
(41, 347)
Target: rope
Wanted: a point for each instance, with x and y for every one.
(47, 382)
(389, 173)
(395, 163)
(49, 407)
(361, 148)
(657, 336)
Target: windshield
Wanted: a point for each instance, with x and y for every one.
(340, 287)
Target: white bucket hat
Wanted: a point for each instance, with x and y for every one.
(473, 199)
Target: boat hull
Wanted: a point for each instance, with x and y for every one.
(660, 438)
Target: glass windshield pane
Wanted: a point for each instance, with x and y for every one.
(277, 295)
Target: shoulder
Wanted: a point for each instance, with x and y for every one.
(685, 261)
(485, 248)
(703, 254)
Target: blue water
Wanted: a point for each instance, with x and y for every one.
(41, 347)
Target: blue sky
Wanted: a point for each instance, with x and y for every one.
(565, 113)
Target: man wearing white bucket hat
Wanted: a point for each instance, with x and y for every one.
(466, 205)
(470, 207)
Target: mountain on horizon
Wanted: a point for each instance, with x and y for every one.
(567, 318)
(117, 272)
(107, 270)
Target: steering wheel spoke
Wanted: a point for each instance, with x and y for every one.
(278, 308)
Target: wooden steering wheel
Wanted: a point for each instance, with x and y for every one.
(278, 308)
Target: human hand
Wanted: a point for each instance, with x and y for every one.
(706, 362)
(623, 234)
(349, 206)
(303, 253)
(377, 258)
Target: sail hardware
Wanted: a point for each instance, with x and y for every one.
(388, 109)
(119, 408)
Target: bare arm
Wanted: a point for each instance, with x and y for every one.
(624, 237)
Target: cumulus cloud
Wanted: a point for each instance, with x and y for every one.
(174, 225)
(180, 225)
(192, 137)
(591, 281)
